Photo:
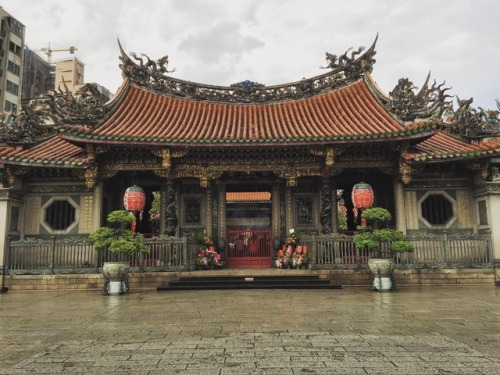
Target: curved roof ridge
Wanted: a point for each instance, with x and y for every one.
(344, 69)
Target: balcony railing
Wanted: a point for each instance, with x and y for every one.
(77, 255)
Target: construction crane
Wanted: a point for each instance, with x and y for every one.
(48, 51)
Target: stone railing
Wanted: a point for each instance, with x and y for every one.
(431, 250)
(77, 255)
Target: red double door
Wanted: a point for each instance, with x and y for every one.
(249, 248)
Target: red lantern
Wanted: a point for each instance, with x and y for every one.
(362, 195)
(134, 198)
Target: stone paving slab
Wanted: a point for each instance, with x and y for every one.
(443, 330)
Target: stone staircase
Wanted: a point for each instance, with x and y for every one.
(248, 282)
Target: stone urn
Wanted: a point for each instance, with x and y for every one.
(115, 277)
(381, 269)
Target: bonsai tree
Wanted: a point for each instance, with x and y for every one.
(372, 238)
(118, 238)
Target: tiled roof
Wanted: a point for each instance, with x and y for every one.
(442, 147)
(53, 152)
(248, 197)
(346, 115)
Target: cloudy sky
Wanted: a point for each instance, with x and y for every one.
(277, 41)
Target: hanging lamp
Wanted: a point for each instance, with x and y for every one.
(362, 195)
(134, 198)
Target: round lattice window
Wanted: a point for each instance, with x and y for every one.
(437, 209)
(60, 215)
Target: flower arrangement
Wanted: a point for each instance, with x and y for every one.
(204, 239)
(292, 255)
(208, 258)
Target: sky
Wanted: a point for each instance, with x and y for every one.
(222, 42)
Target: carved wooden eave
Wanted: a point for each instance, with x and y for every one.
(89, 175)
(204, 174)
(167, 154)
(405, 171)
(13, 172)
(329, 153)
(94, 149)
(481, 166)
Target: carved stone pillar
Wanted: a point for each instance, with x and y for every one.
(221, 230)
(276, 199)
(335, 217)
(171, 210)
(289, 208)
(208, 208)
(326, 207)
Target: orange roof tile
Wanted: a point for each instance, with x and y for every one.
(348, 114)
(55, 152)
(441, 147)
(259, 196)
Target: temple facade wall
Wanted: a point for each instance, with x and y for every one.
(57, 209)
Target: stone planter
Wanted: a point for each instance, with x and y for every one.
(382, 272)
(115, 277)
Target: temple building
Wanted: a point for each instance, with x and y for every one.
(250, 162)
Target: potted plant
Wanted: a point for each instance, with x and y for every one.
(118, 239)
(383, 242)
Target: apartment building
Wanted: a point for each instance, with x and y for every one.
(12, 34)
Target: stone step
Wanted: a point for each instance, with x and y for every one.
(249, 282)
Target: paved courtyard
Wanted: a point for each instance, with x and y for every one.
(433, 330)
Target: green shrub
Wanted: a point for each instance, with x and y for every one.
(117, 238)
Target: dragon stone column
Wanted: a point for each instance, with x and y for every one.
(171, 210)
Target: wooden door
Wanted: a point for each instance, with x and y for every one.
(249, 248)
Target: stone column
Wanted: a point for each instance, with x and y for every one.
(493, 208)
(171, 210)
(97, 206)
(490, 193)
(335, 208)
(7, 196)
(289, 208)
(163, 205)
(221, 230)
(328, 204)
(4, 222)
(275, 216)
(208, 209)
(399, 206)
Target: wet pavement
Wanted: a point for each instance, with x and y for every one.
(433, 330)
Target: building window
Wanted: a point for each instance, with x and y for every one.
(12, 87)
(14, 48)
(59, 215)
(10, 107)
(16, 27)
(14, 219)
(13, 68)
(437, 209)
(483, 214)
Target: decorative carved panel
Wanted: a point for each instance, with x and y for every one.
(32, 215)
(304, 210)
(86, 204)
